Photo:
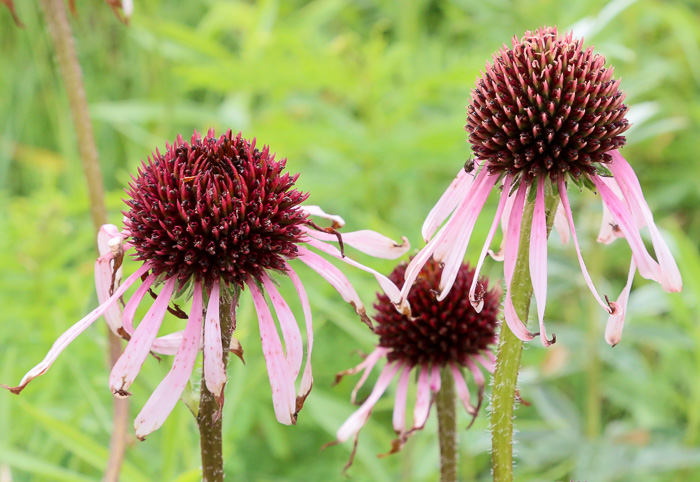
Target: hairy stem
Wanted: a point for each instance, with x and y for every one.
(61, 34)
(447, 427)
(510, 348)
(209, 416)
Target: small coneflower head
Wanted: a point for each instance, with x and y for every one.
(438, 332)
(214, 209)
(546, 106)
(439, 337)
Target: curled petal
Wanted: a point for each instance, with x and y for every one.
(366, 241)
(278, 371)
(106, 277)
(214, 370)
(166, 395)
(338, 222)
(66, 338)
(447, 203)
(307, 379)
(290, 328)
(129, 364)
(538, 258)
(616, 321)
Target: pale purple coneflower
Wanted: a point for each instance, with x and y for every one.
(448, 333)
(207, 216)
(546, 112)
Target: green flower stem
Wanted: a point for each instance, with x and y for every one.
(209, 415)
(510, 348)
(62, 36)
(447, 427)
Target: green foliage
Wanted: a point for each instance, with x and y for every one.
(366, 100)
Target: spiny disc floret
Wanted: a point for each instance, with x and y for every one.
(214, 209)
(546, 106)
(437, 332)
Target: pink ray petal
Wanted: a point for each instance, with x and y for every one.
(561, 225)
(336, 279)
(388, 286)
(134, 302)
(447, 203)
(455, 257)
(498, 256)
(214, 370)
(307, 379)
(478, 301)
(278, 371)
(357, 420)
(613, 329)
(489, 363)
(624, 174)
(103, 272)
(538, 259)
(290, 329)
(478, 379)
(512, 241)
(367, 365)
(423, 398)
(569, 216)
(167, 393)
(170, 343)
(648, 268)
(609, 230)
(71, 334)
(435, 380)
(366, 241)
(399, 416)
(317, 211)
(462, 389)
(129, 364)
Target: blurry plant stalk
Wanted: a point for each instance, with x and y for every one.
(61, 34)
(510, 347)
(210, 408)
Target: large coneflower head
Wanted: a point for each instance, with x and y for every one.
(546, 106)
(214, 208)
(437, 332)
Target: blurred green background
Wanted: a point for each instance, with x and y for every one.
(367, 100)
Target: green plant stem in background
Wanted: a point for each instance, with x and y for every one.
(209, 415)
(593, 402)
(510, 348)
(61, 34)
(447, 426)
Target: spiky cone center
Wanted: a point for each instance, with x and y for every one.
(214, 209)
(437, 332)
(546, 106)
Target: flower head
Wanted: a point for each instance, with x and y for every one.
(209, 216)
(545, 113)
(448, 334)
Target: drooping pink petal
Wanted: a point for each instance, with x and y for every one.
(278, 371)
(609, 230)
(366, 241)
(648, 268)
(317, 211)
(107, 248)
(367, 365)
(505, 217)
(455, 256)
(462, 389)
(129, 364)
(435, 380)
(167, 393)
(561, 225)
(569, 216)
(512, 241)
(170, 343)
(307, 379)
(290, 329)
(478, 301)
(613, 329)
(538, 258)
(335, 278)
(388, 286)
(69, 335)
(624, 174)
(134, 302)
(478, 379)
(447, 203)
(399, 416)
(357, 420)
(423, 398)
(488, 362)
(214, 370)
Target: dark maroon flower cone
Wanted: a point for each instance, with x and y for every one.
(546, 106)
(214, 209)
(437, 332)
